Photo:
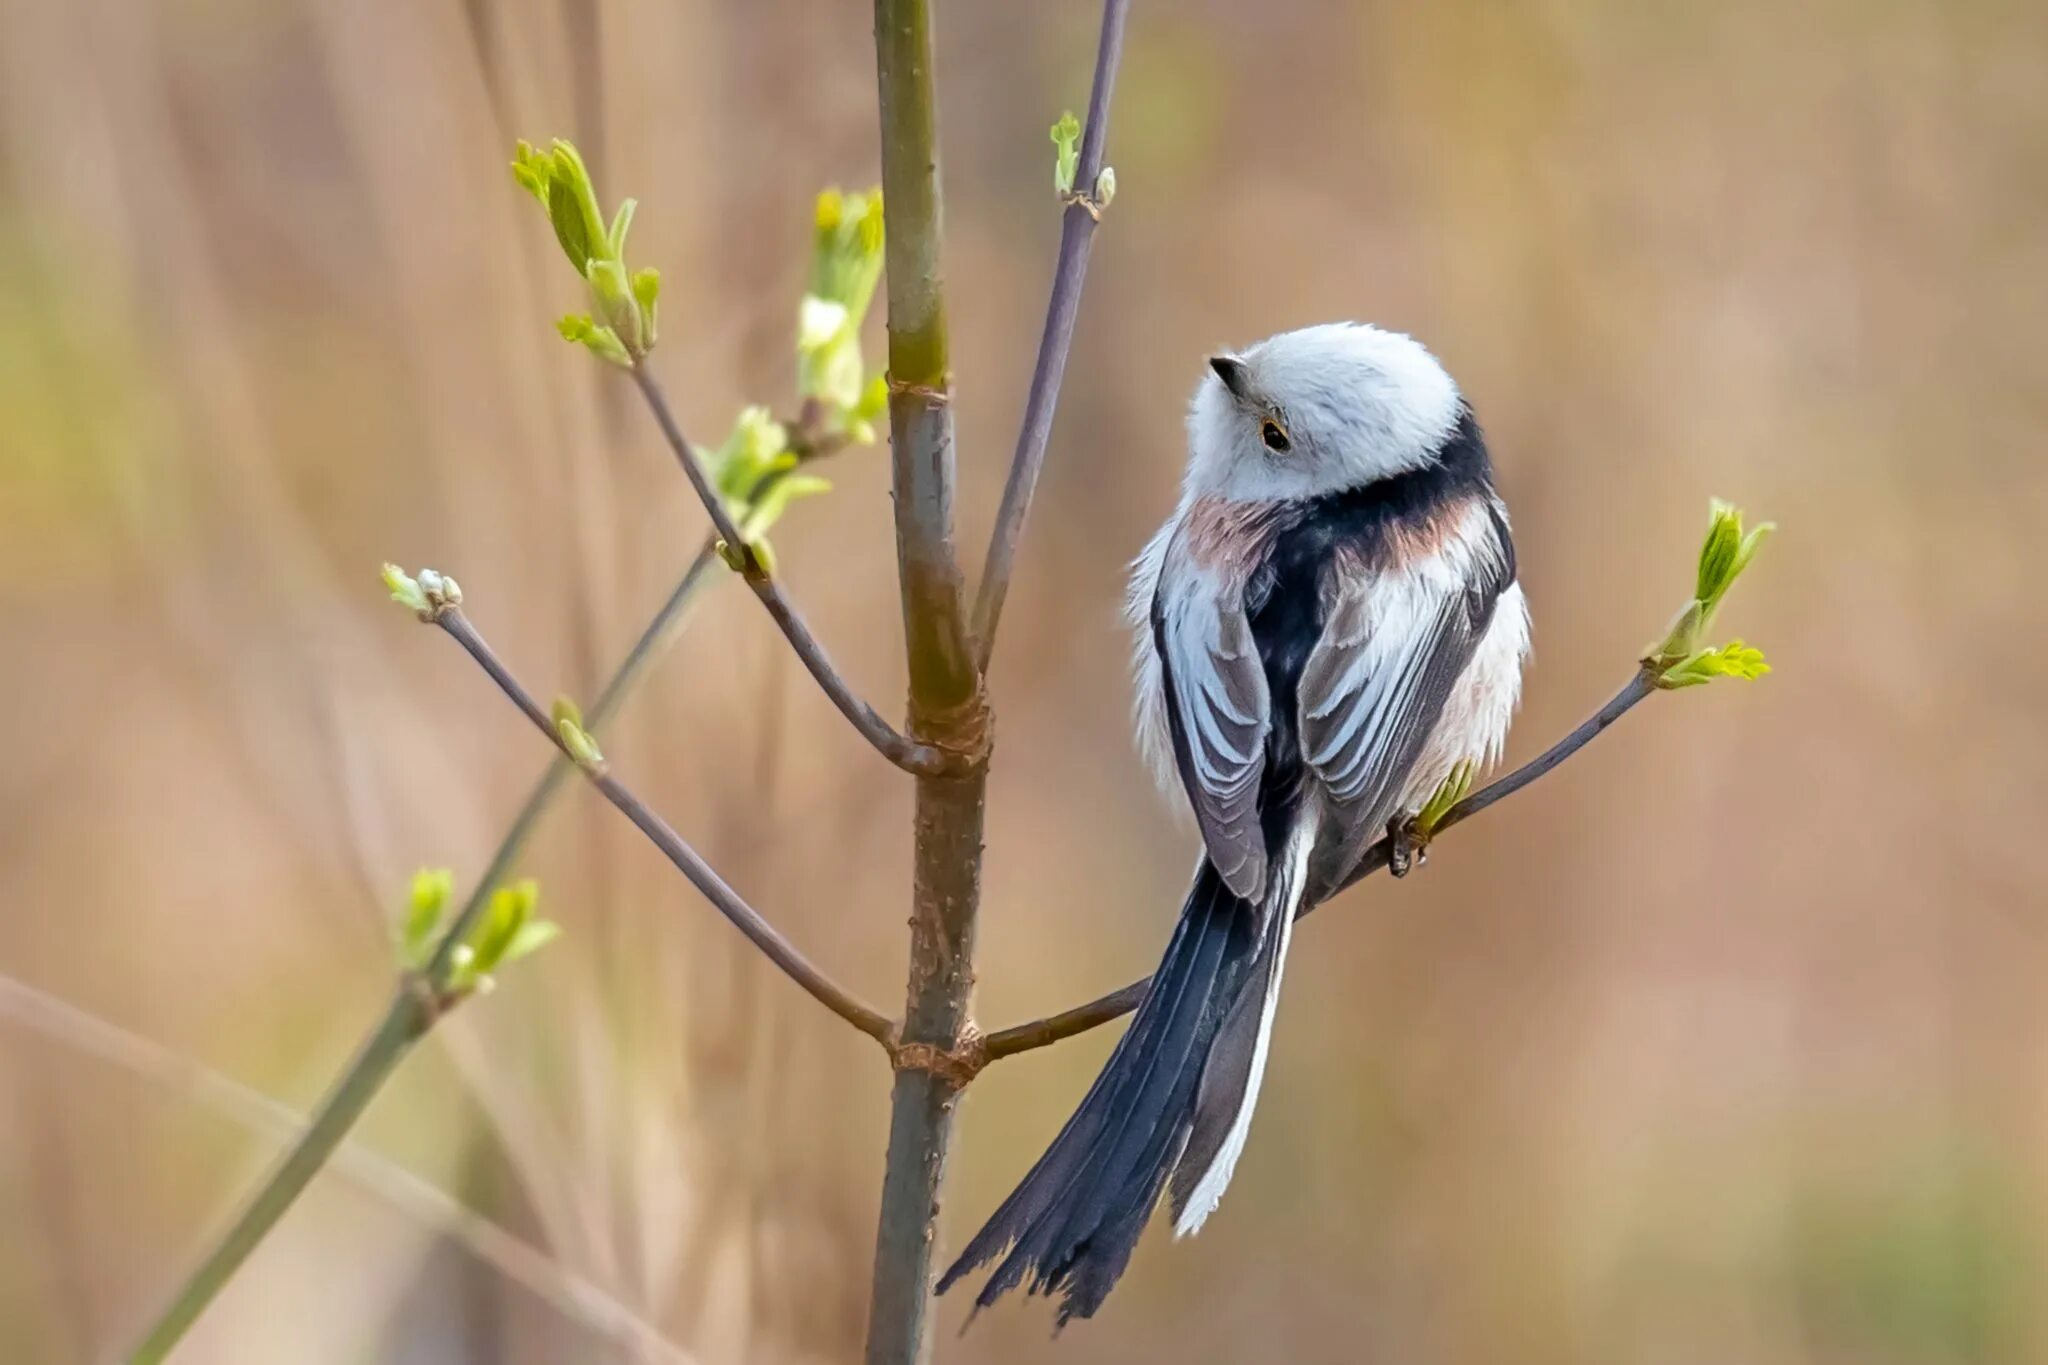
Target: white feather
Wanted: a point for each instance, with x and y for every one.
(1357, 404)
(1208, 1191)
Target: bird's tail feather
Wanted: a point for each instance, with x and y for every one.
(1173, 1101)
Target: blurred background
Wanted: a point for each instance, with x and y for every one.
(1724, 1043)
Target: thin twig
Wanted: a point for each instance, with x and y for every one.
(574, 1297)
(1066, 1024)
(923, 759)
(723, 898)
(1077, 235)
(410, 1013)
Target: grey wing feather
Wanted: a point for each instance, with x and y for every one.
(1217, 709)
(1376, 684)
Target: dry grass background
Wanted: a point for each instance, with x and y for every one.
(1726, 1043)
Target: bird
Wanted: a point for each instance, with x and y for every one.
(1328, 625)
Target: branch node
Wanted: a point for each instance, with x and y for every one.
(1086, 202)
(956, 1066)
(935, 395)
(432, 1001)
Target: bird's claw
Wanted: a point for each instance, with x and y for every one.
(1407, 845)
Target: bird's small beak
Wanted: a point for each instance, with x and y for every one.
(1231, 371)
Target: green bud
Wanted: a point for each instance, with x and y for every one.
(757, 447)
(602, 342)
(1717, 553)
(576, 739)
(1066, 138)
(440, 590)
(1724, 554)
(612, 292)
(1105, 188)
(646, 293)
(432, 888)
(846, 250)
(405, 590)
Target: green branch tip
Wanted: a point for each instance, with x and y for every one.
(1732, 660)
(846, 265)
(1681, 658)
(621, 328)
(504, 933)
(425, 596)
(1066, 138)
(432, 889)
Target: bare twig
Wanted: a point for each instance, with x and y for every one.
(410, 1013)
(1066, 1024)
(1077, 236)
(905, 753)
(520, 1262)
(723, 898)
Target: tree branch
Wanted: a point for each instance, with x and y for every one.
(577, 1299)
(723, 898)
(410, 1013)
(947, 705)
(905, 753)
(1068, 1023)
(1077, 236)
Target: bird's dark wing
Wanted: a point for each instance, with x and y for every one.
(1394, 642)
(1217, 708)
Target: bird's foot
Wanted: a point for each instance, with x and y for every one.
(1407, 845)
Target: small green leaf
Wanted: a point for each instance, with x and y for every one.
(432, 888)
(602, 342)
(531, 938)
(647, 292)
(405, 590)
(1453, 789)
(1732, 660)
(1066, 137)
(1717, 552)
(533, 169)
(775, 499)
(622, 223)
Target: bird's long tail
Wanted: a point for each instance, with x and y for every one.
(1173, 1102)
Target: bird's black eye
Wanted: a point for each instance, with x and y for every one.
(1273, 436)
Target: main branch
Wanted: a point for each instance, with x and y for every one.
(946, 704)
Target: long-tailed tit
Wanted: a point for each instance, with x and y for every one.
(1327, 625)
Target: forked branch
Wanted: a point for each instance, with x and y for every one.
(923, 759)
(701, 874)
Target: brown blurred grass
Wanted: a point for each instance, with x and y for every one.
(1725, 1043)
